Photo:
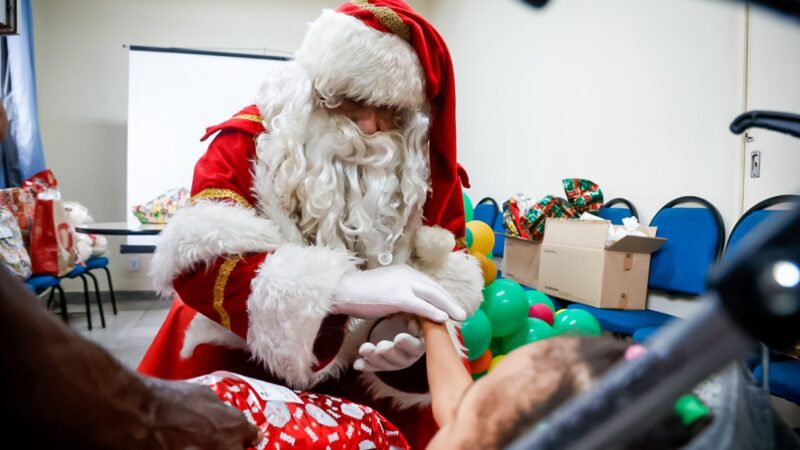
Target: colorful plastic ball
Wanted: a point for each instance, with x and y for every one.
(560, 311)
(469, 210)
(496, 347)
(542, 312)
(476, 376)
(506, 307)
(488, 267)
(576, 322)
(536, 297)
(534, 330)
(482, 237)
(468, 238)
(495, 361)
(477, 334)
(481, 364)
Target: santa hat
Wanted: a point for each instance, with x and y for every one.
(382, 52)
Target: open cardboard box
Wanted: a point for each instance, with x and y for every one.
(573, 263)
(576, 265)
(521, 260)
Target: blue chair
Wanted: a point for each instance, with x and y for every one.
(615, 215)
(488, 212)
(695, 239)
(101, 262)
(499, 236)
(784, 379)
(755, 216)
(80, 272)
(39, 283)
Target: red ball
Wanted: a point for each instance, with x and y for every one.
(542, 312)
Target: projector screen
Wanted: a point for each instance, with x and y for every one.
(173, 95)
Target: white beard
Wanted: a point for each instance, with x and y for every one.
(341, 188)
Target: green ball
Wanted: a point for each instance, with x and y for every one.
(477, 334)
(469, 238)
(534, 330)
(535, 297)
(505, 305)
(475, 376)
(576, 322)
(469, 210)
(490, 255)
(496, 347)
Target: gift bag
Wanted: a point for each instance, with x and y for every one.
(12, 250)
(20, 202)
(52, 241)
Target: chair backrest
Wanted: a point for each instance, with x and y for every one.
(499, 236)
(757, 214)
(695, 239)
(615, 215)
(486, 210)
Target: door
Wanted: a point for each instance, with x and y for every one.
(773, 83)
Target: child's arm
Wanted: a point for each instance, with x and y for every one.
(447, 376)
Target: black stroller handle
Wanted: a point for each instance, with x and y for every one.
(776, 121)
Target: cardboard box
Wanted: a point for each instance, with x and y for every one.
(521, 260)
(576, 265)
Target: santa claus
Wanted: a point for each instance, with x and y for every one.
(324, 218)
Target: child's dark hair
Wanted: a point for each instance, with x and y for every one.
(598, 355)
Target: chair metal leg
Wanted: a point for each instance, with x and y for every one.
(63, 300)
(99, 303)
(111, 290)
(765, 367)
(50, 297)
(86, 300)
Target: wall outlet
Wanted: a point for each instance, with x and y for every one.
(134, 263)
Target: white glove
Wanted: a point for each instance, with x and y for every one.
(376, 293)
(395, 344)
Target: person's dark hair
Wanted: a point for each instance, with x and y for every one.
(597, 355)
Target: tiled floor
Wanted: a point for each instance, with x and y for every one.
(128, 334)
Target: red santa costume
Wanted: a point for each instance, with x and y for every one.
(289, 198)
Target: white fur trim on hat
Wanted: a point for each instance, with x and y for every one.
(199, 234)
(290, 296)
(344, 56)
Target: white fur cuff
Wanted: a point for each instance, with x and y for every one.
(290, 297)
(402, 400)
(203, 232)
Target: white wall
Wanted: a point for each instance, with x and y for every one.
(82, 78)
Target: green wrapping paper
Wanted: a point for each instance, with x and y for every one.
(549, 206)
(582, 196)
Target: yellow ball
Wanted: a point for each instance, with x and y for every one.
(495, 361)
(560, 311)
(482, 237)
(487, 266)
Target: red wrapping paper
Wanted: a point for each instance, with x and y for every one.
(303, 420)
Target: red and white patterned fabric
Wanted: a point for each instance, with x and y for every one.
(302, 420)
